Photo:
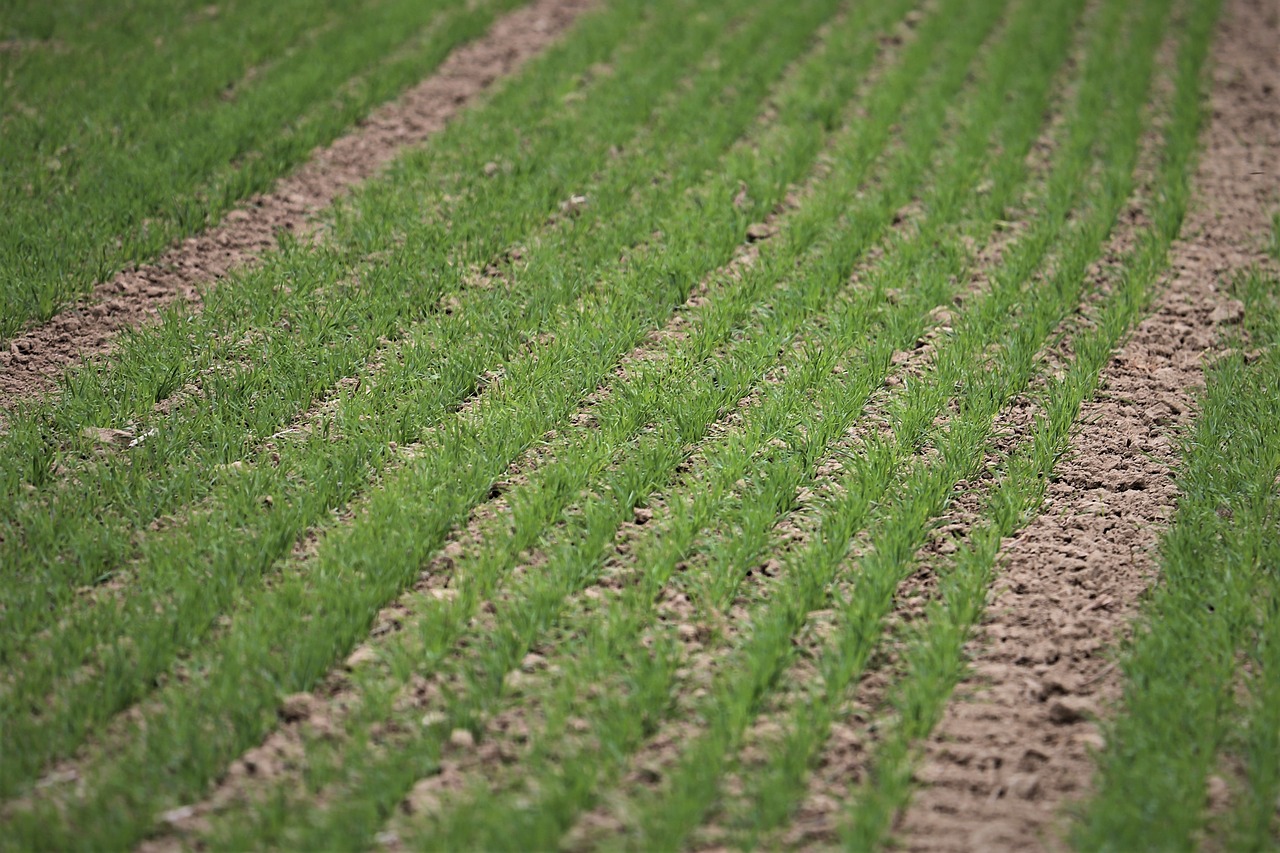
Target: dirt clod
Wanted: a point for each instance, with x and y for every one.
(178, 815)
(1071, 709)
(297, 706)
(1230, 311)
(104, 435)
(361, 656)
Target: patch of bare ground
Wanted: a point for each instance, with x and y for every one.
(33, 361)
(1016, 744)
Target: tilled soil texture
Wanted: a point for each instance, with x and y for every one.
(34, 360)
(1015, 746)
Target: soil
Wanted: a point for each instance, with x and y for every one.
(1015, 746)
(35, 359)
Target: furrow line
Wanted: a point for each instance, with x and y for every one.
(765, 794)
(1079, 566)
(934, 657)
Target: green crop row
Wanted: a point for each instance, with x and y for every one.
(127, 130)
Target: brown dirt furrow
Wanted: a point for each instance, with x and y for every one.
(1016, 744)
(32, 361)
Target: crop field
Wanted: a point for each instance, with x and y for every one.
(640, 424)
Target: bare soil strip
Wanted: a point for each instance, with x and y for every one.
(1016, 744)
(34, 360)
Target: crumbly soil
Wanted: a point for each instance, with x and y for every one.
(33, 361)
(1015, 745)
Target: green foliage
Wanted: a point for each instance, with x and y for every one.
(458, 336)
